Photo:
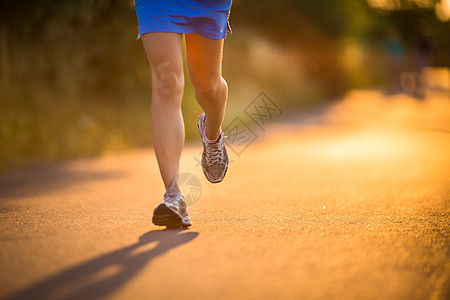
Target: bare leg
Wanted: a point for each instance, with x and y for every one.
(165, 54)
(204, 61)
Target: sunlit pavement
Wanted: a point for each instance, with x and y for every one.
(353, 203)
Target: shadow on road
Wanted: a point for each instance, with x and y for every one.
(105, 274)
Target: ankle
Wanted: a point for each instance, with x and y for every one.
(212, 141)
(173, 187)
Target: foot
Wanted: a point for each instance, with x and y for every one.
(172, 213)
(215, 156)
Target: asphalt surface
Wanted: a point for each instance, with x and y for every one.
(349, 203)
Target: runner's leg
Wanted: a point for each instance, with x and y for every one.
(204, 61)
(165, 55)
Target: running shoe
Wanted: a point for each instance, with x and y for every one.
(214, 156)
(172, 212)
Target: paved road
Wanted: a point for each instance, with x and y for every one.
(353, 206)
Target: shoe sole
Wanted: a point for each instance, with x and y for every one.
(164, 216)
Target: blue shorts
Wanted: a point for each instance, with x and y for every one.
(208, 18)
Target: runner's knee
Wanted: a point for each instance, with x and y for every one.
(208, 87)
(168, 83)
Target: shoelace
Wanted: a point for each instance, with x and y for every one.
(172, 197)
(214, 153)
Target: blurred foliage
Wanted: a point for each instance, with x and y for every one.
(75, 82)
(322, 31)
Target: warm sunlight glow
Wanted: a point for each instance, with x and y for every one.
(424, 3)
(443, 10)
(369, 127)
(371, 110)
(399, 4)
(385, 4)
